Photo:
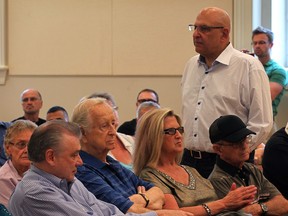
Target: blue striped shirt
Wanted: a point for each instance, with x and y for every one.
(110, 181)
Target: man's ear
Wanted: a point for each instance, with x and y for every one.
(84, 135)
(217, 149)
(50, 156)
(225, 33)
(271, 45)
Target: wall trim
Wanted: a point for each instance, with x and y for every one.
(3, 74)
(3, 47)
(242, 24)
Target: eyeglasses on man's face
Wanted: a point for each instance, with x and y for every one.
(254, 43)
(115, 108)
(246, 140)
(146, 100)
(172, 131)
(32, 99)
(20, 145)
(203, 28)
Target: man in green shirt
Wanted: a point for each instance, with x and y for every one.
(262, 41)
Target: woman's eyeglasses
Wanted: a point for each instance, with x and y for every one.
(20, 145)
(172, 131)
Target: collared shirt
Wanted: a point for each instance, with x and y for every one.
(128, 143)
(40, 193)
(110, 181)
(4, 211)
(9, 178)
(224, 174)
(277, 74)
(235, 84)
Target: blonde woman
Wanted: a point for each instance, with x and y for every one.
(159, 147)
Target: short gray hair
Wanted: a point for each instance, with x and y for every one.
(81, 112)
(49, 136)
(16, 128)
(144, 105)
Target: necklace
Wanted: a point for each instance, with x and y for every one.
(192, 182)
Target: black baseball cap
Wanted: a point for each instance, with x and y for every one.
(229, 128)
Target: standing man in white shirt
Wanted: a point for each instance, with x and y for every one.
(220, 81)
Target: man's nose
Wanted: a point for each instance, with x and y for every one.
(79, 161)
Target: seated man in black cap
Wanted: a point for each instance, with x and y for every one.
(230, 139)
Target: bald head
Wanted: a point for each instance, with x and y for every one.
(30, 91)
(217, 16)
(212, 33)
(31, 103)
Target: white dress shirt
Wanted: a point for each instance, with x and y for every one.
(235, 84)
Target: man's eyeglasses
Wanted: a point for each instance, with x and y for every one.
(146, 100)
(203, 28)
(172, 131)
(254, 43)
(32, 99)
(115, 108)
(20, 145)
(240, 144)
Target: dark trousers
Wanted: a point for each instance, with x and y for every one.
(203, 162)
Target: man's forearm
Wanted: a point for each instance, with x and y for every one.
(156, 198)
(278, 205)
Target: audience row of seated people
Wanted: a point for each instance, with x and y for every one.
(157, 150)
(50, 187)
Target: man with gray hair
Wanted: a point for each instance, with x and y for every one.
(145, 107)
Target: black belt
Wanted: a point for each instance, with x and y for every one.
(200, 154)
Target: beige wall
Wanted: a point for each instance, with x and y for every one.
(67, 91)
(101, 37)
(70, 48)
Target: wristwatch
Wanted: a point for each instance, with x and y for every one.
(264, 208)
(145, 198)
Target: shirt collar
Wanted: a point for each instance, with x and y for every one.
(230, 169)
(58, 182)
(11, 166)
(223, 58)
(5, 124)
(93, 161)
(270, 62)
